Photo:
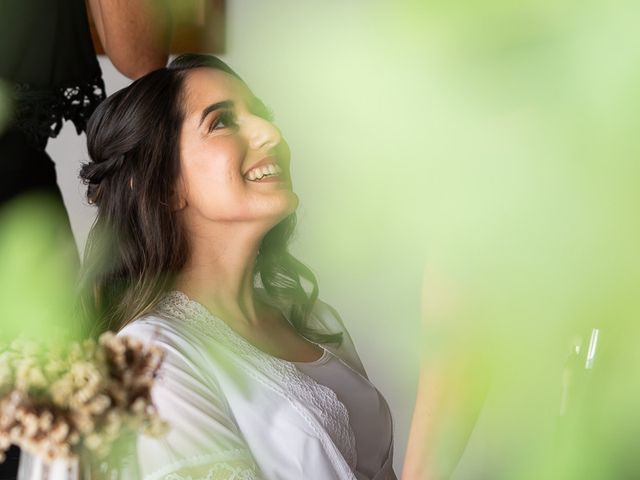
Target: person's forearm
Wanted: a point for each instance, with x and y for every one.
(448, 401)
(135, 34)
(424, 456)
(417, 461)
(453, 382)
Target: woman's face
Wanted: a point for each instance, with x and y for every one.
(234, 163)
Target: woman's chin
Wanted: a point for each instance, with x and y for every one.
(283, 200)
(290, 204)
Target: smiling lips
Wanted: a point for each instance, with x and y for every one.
(264, 171)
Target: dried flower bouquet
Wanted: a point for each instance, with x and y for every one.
(59, 402)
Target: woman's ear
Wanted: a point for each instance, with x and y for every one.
(178, 198)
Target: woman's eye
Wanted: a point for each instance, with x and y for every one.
(225, 120)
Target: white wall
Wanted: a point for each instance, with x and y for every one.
(287, 53)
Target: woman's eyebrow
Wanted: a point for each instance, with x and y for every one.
(213, 107)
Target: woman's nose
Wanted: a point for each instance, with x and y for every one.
(263, 134)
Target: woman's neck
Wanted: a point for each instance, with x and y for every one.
(220, 274)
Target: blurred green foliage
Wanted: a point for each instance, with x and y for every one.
(496, 142)
(37, 275)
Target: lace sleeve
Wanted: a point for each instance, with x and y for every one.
(203, 442)
(40, 111)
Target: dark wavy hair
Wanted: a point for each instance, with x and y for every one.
(137, 244)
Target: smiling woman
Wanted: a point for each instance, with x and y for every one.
(190, 252)
(225, 136)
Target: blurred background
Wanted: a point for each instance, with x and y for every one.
(493, 143)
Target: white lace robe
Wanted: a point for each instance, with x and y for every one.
(236, 412)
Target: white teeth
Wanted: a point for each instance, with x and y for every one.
(259, 172)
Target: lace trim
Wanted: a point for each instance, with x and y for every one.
(39, 112)
(333, 414)
(227, 465)
(219, 472)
